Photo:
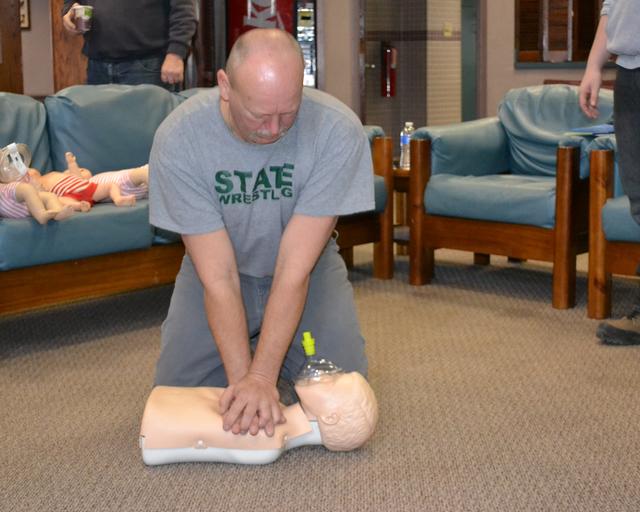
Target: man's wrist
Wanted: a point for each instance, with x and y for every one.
(263, 376)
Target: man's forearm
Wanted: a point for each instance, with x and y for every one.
(227, 322)
(222, 299)
(302, 244)
(182, 26)
(599, 55)
(282, 316)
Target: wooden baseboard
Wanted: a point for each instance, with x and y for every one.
(30, 288)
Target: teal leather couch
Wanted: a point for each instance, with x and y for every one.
(513, 185)
(112, 248)
(107, 128)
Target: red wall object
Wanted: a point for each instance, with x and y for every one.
(388, 75)
(243, 15)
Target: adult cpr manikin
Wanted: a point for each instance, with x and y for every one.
(337, 410)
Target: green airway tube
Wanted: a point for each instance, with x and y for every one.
(308, 344)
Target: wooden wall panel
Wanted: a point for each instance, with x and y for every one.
(69, 63)
(528, 25)
(10, 47)
(558, 24)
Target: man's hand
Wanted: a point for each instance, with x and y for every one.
(251, 404)
(68, 22)
(172, 71)
(588, 93)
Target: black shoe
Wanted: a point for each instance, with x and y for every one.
(625, 331)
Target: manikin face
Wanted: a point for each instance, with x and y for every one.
(345, 408)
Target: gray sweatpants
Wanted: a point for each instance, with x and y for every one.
(627, 126)
(189, 355)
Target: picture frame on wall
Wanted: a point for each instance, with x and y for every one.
(25, 15)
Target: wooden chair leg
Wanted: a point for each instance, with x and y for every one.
(400, 211)
(347, 256)
(599, 298)
(481, 259)
(383, 249)
(564, 282)
(600, 189)
(383, 260)
(420, 256)
(564, 253)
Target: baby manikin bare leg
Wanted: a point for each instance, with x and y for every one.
(52, 203)
(29, 195)
(140, 175)
(112, 191)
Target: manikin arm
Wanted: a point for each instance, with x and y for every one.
(74, 168)
(43, 206)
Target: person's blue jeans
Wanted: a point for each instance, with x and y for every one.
(130, 72)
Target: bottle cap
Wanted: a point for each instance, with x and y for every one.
(308, 344)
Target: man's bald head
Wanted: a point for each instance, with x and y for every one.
(268, 46)
(261, 87)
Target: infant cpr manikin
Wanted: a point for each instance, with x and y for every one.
(336, 409)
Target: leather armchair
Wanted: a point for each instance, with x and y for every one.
(513, 185)
(375, 226)
(614, 237)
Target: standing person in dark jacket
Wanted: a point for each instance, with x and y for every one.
(136, 41)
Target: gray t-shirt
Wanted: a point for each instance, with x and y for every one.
(622, 31)
(203, 178)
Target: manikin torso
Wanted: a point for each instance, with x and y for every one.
(184, 424)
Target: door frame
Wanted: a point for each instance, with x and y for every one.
(69, 63)
(11, 79)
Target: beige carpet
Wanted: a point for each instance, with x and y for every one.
(490, 401)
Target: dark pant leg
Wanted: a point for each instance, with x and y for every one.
(627, 127)
(189, 355)
(330, 315)
(99, 72)
(143, 71)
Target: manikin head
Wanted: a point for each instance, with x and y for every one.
(344, 405)
(14, 161)
(261, 85)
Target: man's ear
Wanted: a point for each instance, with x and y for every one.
(223, 84)
(330, 419)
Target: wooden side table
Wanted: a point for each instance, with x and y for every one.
(401, 210)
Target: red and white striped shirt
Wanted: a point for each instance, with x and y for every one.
(10, 207)
(123, 179)
(69, 185)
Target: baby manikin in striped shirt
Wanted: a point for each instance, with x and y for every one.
(79, 188)
(19, 198)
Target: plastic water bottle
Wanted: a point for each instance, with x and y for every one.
(315, 368)
(405, 145)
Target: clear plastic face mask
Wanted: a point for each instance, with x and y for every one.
(14, 161)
